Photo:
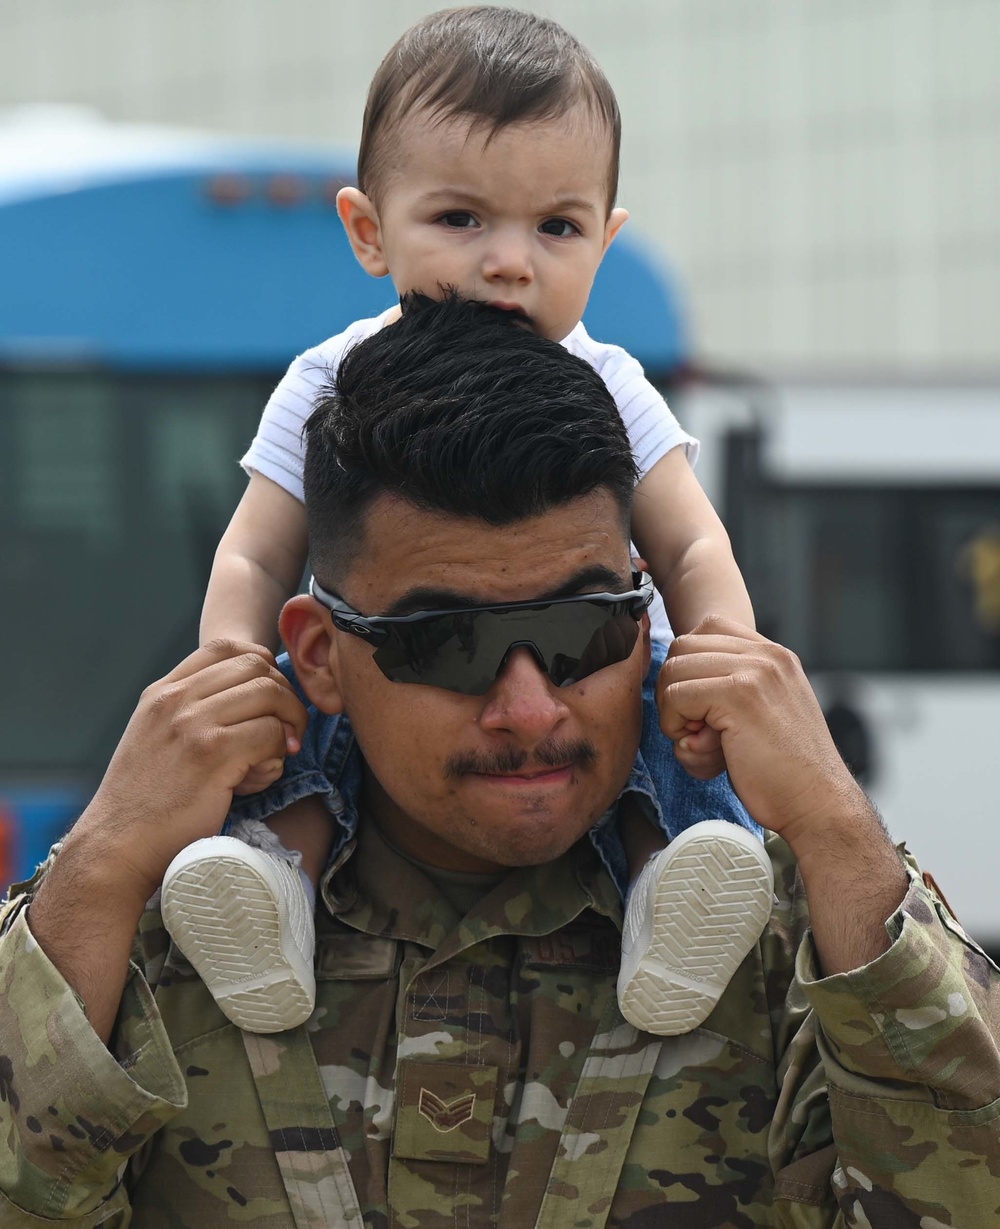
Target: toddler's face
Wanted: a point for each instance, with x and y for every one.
(520, 221)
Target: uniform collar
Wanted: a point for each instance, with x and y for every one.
(375, 890)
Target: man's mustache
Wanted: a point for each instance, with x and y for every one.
(553, 753)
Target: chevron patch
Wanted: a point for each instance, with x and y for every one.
(444, 1112)
(446, 1116)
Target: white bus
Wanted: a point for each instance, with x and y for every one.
(866, 518)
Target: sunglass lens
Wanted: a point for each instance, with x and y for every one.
(611, 642)
(465, 652)
(441, 652)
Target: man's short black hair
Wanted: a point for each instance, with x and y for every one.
(458, 409)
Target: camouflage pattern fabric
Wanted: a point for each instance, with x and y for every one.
(450, 1054)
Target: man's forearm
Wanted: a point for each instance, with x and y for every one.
(85, 920)
(854, 881)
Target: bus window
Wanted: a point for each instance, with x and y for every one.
(879, 579)
(963, 553)
(114, 490)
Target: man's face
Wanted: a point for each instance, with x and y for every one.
(516, 776)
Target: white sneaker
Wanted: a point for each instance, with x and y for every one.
(694, 912)
(243, 919)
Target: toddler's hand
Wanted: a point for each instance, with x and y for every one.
(267, 772)
(698, 749)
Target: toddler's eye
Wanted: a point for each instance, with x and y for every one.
(460, 219)
(562, 228)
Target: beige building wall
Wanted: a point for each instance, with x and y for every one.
(822, 174)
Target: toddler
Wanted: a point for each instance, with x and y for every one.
(488, 164)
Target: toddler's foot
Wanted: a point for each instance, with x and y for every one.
(694, 912)
(244, 920)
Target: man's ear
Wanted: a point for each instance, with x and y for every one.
(616, 220)
(313, 648)
(644, 626)
(357, 213)
(647, 647)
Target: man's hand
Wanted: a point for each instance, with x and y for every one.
(789, 775)
(754, 695)
(192, 739)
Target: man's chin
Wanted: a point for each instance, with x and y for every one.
(539, 854)
(532, 840)
(531, 820)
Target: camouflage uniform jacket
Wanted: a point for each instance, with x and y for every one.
(475, 1072)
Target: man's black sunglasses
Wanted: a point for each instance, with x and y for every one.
(464, 650)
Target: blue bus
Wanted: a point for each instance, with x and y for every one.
(155, 285)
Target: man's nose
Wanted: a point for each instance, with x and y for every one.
(522, 701)
(508, 258)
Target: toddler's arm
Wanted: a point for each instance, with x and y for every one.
(689, 556)
(673, 522)
(686, 546)
(258, 566)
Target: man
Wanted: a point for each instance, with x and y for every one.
(466, 1062)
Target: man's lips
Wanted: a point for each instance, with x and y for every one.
(539, 776)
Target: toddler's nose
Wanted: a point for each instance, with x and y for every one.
(508, 259)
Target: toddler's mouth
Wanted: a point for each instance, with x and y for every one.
(513, 309)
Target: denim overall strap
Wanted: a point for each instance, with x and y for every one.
(302, 1131)
(600, 1123)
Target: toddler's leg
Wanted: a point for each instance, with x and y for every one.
(306, 827)
(695, 908)
(241, 910)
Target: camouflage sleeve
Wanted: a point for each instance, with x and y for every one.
(911, 1049)
(71, 1111)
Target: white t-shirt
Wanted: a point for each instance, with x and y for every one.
(278, 449)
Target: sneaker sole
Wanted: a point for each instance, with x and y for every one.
(222, 914)
(704, 914)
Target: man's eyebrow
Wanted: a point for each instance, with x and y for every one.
(595, 578)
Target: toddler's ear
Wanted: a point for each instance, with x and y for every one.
(308, 636)
(357, 212)
(616, 220)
